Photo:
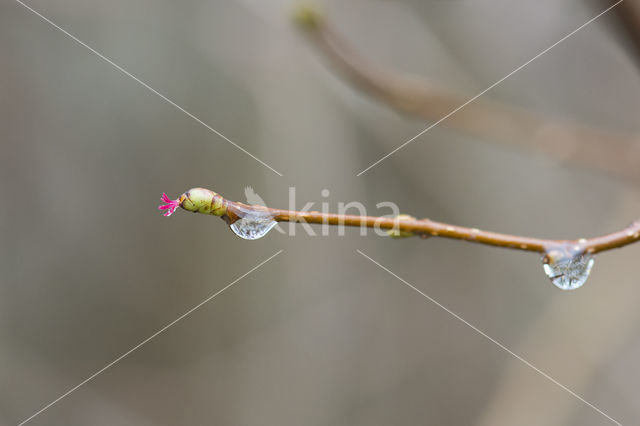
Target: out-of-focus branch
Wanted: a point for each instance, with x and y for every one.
(493, 121)
(627, 14)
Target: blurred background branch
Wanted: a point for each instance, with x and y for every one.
(628, 16)
(605, 150)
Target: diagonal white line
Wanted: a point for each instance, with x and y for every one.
(515, 355)
(190, 311)
(151, 89)
(490, 87)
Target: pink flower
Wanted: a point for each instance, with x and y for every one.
(171, 205)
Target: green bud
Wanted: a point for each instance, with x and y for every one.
(200, 200)
(396, 232)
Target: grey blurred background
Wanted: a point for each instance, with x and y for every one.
(319, 335)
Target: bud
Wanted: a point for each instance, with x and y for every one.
(396, 232)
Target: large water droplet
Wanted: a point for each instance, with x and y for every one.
(567, 271)
(253, 226)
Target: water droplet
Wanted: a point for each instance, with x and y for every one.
(253, 226)
(567, 269)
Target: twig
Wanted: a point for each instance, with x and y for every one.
(607, 151)
(200, 200)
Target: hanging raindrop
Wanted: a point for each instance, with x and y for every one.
(253, 226)
(566, 270)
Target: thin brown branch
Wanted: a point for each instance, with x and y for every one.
(430, 228)
(607, 151)
(205, 201)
